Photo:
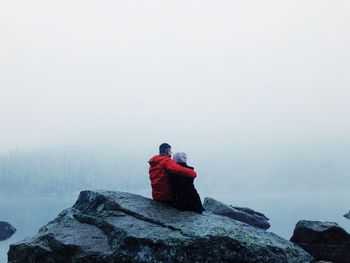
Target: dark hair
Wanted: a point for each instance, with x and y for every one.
(164, 148)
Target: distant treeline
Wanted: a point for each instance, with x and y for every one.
(246, 170)
(57, 172)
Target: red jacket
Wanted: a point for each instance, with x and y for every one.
(160, 165)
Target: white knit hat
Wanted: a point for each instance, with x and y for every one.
(180, 157)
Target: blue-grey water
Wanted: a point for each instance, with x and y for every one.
(28, 214)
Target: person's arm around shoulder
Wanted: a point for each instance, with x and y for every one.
(175, 168)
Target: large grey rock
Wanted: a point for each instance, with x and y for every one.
(6, 230)
(324, 240)
(111, 227)
(242, 214)
(347, 215)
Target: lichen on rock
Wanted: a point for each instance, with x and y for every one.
(110, 227)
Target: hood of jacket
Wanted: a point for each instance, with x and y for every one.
(155, 160)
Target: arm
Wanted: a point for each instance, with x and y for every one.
(173, 167)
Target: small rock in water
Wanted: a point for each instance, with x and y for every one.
(6, 230)
(243, 214)
(347, 215)
(323, 240)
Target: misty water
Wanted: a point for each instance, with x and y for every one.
(28, 214)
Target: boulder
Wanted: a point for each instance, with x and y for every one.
(324, 240)
(6, 230)
(111, 227)
(347, 215)
(242, 214)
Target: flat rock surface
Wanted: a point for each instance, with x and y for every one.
(111, 227)
(6, 230)
(324, 240)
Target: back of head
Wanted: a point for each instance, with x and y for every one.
(164, 149)
(180, 157)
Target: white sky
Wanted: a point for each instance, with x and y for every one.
(186, 72)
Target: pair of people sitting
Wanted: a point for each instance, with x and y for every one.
(172, 180)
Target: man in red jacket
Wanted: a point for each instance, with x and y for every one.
(160, 166)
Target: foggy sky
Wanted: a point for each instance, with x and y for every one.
(198, 74)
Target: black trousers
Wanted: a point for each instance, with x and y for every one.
(184, 196)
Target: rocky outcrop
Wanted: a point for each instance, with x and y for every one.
(111, 227)
(324, 240)
(347, 215)
(242, 214)
(6, 230)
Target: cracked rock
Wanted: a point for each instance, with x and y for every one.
(242, 214)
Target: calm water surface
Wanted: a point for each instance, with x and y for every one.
(28, 214)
